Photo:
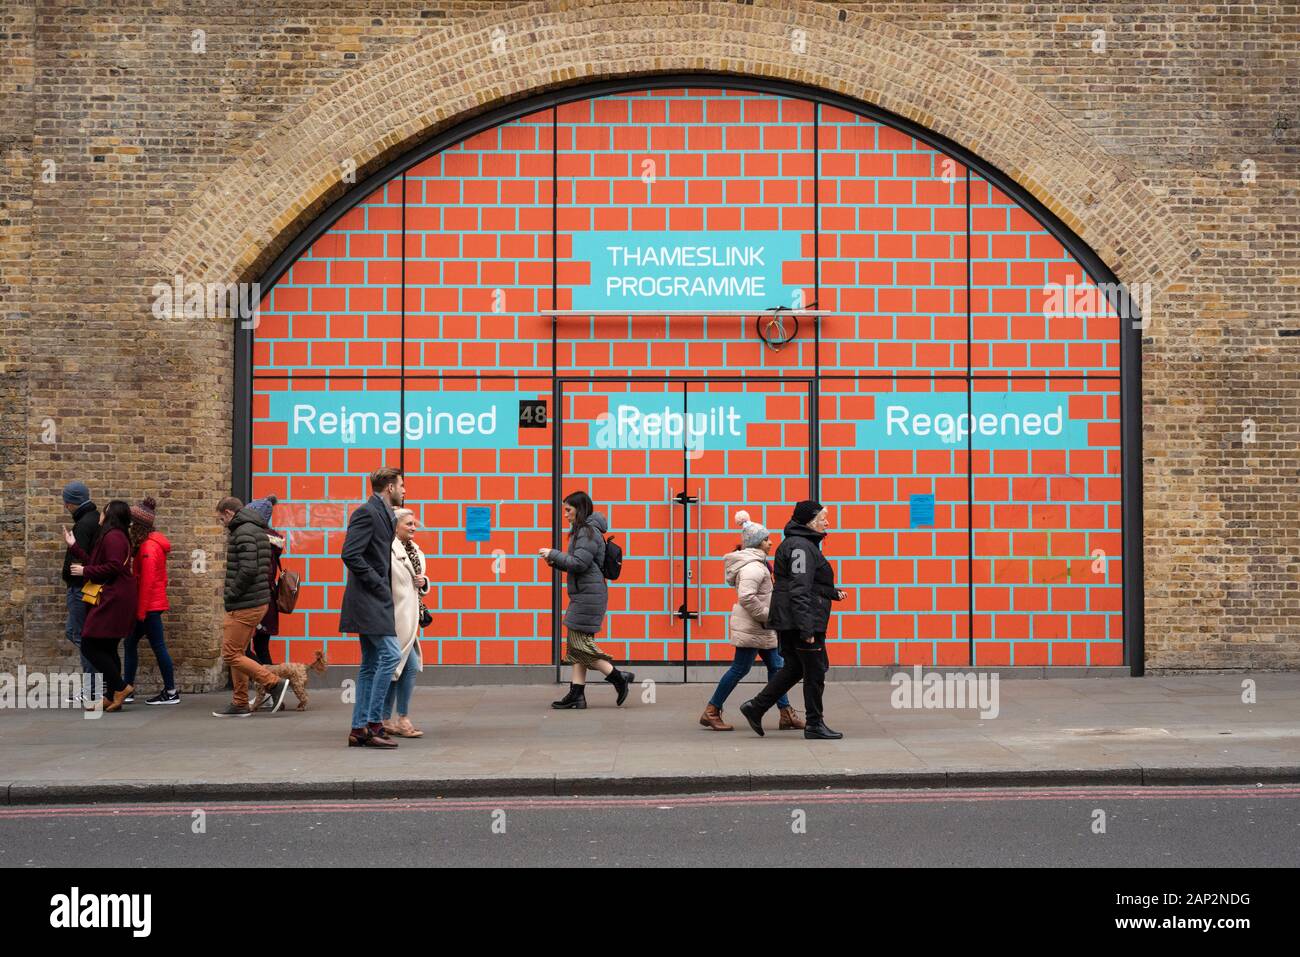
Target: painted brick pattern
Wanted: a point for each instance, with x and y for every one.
(149, 159)
(716, 160)
(893, 251)
(1046, 537)
(908, 594)
(673, 551)
(479, 262)
(338, 310)
(316, 488)
(1017, 329)
(478, 222)
(490, 601)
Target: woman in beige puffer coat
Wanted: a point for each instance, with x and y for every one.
(746, 569)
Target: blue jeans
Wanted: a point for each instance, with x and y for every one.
(77, 612)
(151, 628)
(379, 657)
(740, 666)
(399, 691)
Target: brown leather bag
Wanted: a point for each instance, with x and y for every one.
(286, 590)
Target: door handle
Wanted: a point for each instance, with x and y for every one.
(699, 550)
(672, 560)
(686, 500)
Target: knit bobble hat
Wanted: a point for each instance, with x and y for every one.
(263, 507)
(144, 512)
(806, 511)
(752, 534)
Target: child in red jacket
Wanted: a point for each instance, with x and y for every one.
(149, 549)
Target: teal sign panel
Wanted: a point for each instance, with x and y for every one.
(659, 422)
(685, 270)
(994, 421)
(374, 420)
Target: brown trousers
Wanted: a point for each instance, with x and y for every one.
(237, 628)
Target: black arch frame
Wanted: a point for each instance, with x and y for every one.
(1133, 588)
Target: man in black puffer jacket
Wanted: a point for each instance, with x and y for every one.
(800, 612)
(247, 593)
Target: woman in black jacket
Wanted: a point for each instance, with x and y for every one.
(801, 610)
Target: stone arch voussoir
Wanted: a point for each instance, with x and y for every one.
(282, 181)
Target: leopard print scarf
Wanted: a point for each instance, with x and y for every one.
(413, 555)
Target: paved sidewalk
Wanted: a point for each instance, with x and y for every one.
(506, 741)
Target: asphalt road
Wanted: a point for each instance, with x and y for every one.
(1144, 827)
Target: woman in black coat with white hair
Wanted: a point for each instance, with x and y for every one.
(582, 562)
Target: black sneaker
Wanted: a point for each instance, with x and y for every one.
(276, 694)
(230, 711)
(165, 697)
(129, 699)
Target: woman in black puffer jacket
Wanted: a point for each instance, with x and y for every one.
(588, 600)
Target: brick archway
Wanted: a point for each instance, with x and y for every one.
(385, 108)
(241, 222)
(283, 350)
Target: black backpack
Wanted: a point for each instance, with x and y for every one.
(612, 566)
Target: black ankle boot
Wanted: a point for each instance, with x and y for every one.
(818, 729)
(576, 698)
(753, 716)
(621, 680)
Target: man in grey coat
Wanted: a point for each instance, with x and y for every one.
(368, 604)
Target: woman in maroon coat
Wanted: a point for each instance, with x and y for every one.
(112, 618)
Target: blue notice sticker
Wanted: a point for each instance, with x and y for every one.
(921, 512)
(478, 523)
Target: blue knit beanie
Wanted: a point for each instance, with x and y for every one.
(76, 494)
(263, 507)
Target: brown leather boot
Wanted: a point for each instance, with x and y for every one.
(712, 718)
(790, 720)
(118, 698)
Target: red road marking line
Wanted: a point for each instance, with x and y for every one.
(933, 796)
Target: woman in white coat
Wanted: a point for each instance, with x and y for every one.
(747, 569)
(410, 582)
